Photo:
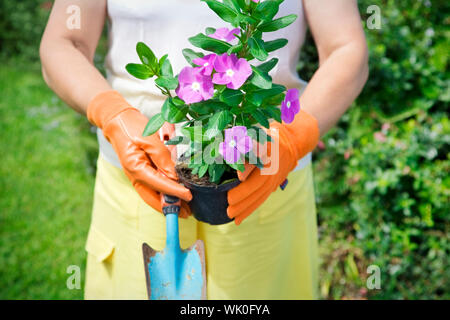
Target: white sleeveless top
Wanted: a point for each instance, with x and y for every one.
(165, 26)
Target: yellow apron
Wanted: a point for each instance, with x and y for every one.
(271, 255)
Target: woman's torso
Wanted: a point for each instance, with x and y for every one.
(165, 26)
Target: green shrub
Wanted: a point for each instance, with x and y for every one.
(382, 178)
(21, 26)
(388, 189)
(408, 58)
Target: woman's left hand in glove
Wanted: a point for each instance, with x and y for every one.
(294, 140)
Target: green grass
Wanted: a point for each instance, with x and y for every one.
(47, 158)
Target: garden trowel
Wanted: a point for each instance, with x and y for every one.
(173, 273)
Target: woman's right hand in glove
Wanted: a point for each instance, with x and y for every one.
(142, 158)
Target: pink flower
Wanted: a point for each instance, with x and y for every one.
(321, 145)
(206, 63)
(231, 71)
(236, 143)
(347, 154)
(290, 106)
(256, 1)
(224, 34)
(379, 136)
(194, 86)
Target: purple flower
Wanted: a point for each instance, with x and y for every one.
(194, 86)
(224, 34)
(206, 63)
(236, 143)
(290, 106)
(231, 71)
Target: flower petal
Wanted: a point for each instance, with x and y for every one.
(207, 89)
(239, 131)
(220, 34)
(295, 106)
(230, 154)
(187, 75)
(221, 78)
(222, 63)
(244, 144)
(286, 114)
(231, 35)
(292, 94)
(228, 135)
(188, 95)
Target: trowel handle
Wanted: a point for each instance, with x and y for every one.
(169, 204)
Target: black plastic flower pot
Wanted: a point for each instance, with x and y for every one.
(209, 203)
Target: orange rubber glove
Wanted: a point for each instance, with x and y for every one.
(141, 157)
(295, 141)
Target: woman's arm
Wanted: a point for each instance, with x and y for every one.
(67, 54)
(343, 56)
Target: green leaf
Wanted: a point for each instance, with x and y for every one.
(234, 4)
(153, 125)
(266, 10)
(146, 55)
(215, 105)
(140, 71)
(242, 4)
(161, 60)
(173, 113)
(269, 65)
(166, 68)
(235, 49)
(176, 140)
(257, 96)
(275, 44)
(202, 170)
(247, 107)
(200, 108)
(242, 18)
(195, 133)
(231, 97)
(209, 31)
(215, 172)
(277, 24)
(218, 122)
(274, 100)
(195, 170)
(272, 112)
(178, 102)
(223, 11)
(209, 44)
(238, 166)
(261, 118)
(259, 135)
(257, 49)
(167, 82)
(190, 55)
(261, 79)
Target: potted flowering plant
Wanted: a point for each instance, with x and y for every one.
(224, 99)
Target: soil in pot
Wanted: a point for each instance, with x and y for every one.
(209, 200)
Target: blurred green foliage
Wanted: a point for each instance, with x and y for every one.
(382, 174)
(21, 26)
(408, 58)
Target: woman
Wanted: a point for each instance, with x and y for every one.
(272, 254)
